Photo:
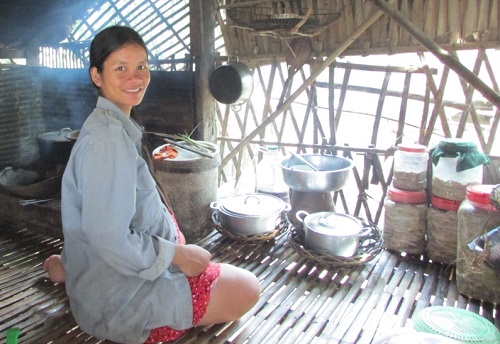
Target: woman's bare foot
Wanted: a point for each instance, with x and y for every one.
(53, 265)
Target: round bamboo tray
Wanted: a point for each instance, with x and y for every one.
(369, 246)
(280, 229)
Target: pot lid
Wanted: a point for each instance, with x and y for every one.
(56, 136)
(333, 224)
(252, 205)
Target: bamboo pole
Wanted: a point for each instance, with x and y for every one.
(380, 106)
(319, 69)
(402, 110)
(454, 19)
(444, 56)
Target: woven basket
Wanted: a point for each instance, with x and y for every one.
(280, 229)
(369, 246)
(265, 18)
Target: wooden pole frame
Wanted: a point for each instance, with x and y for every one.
(444, 56)
(319, 69)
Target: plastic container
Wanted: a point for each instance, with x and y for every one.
(442, 228)
(456, 165)
(270, 176)
(405, 221)
(457, 324)
(476, 217)
(410, 167)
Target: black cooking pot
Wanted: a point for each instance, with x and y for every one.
(55, 147)
(232, 83)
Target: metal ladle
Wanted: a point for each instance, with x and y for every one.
(304, 161)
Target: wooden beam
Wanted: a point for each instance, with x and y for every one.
(202, 37)
(444, 56)
(319, 69)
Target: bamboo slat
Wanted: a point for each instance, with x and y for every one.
(493, 21)
(483, 19)
(470, 25)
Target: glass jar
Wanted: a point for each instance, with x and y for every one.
(476, 216)
(405, 220)
(456, 165)
(270, 176)
(442, 227)
(410, 167)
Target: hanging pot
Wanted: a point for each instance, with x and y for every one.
(55, 147)
(232, 83)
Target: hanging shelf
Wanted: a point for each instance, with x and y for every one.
(283, 21)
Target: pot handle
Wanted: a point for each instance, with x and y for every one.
(299, 214)
(365, 231)
(214, 205)
(250, 197)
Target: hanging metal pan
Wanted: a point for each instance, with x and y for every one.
(232, 83)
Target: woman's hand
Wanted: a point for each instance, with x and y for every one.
(192, 260)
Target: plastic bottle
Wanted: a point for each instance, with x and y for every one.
(476, 216)
(456, 164)
(442, 228)
(13, 335)
(410, 167)
(405, 221)
(269, 175)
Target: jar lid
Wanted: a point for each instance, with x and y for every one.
(412, 147)
(444, 203)
(479, 193)
(456, 323)
(466, 154)
(404, 196)
(457, 145)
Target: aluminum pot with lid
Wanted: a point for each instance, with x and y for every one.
(250, 214)
(332, 233)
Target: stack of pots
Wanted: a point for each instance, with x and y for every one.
(405, 207)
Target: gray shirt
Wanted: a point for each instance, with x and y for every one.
(119, 238)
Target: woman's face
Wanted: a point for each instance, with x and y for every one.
(124, 77)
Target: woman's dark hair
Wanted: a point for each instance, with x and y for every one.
(109, 40)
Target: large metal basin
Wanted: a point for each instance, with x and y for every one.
(332, 175)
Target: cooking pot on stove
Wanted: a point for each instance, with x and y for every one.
(332, 175)
(232, 83)
(55, 147)
(332, 233)
(250, 214)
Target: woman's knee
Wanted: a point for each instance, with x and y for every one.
(235, 292)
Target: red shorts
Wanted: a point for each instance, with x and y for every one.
(201, 287)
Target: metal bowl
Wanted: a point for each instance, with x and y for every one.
(332, 175)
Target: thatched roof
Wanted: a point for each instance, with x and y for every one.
(266, 27)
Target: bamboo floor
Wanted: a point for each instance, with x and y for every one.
(301, 302)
